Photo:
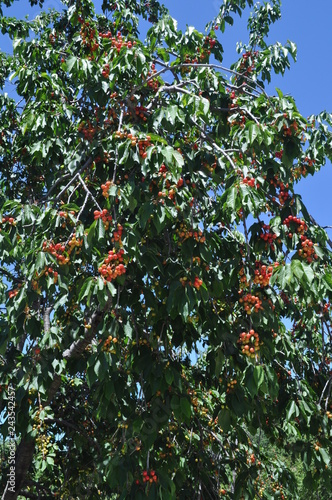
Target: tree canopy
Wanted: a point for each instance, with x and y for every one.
(165, 315)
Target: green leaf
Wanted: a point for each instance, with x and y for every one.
(231, 198)
(308, 271)
(40, 261)
(291, 410)
(85, 289)
(327, 277)
(71, 62)
(258, 375)
(145, 213)
(297, 269)
(254, 131)
(325, 456)
(100, 229)
(185, 407)
(224, 419)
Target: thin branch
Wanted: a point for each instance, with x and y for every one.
(10, 275)
(218, 148)
(325, 387)
(88, 162)
(86, 189)
(116, 151)
(252, 116)
(222, 68)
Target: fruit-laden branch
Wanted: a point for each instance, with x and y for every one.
(26, 448)
(70, 425)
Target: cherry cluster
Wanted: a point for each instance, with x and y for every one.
(300, 171)
(250, 182)
(251, 302)
(263, 274)
(10, 220)
(298, 224)
(57, 250)
(103, 159)
(117, 235)
(143, 144)
(292, 130)
(64, 215)
(140, 112)
(283, 194)
(210, 41)
(105, 187)
(205, 51)
(249, 343)
(103, 215)
(163, 170)
(117, 41)
(283, 190)
(113, 265)
(247, 58)
(111, 116)
(148, 477)
(107, 347)
(231, 385)
(152, 83)
(88, 35)
(106, 71)
(308, 250)
(184, 234)
(196, 284)
(152, 478)
(326, 307)
(188, 60)
(268, 236)
(74, 243)
(87, 129)
(14, 292)
(48, 271)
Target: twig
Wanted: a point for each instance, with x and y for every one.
(325, 386)
(218, 148)
(85, 187)
(116, 151)
(86, 165)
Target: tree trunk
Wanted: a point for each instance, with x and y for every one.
(23, 460)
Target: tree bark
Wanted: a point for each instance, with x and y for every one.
(23, 460)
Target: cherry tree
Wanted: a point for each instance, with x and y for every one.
(165, 294)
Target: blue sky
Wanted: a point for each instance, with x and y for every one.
(307, 24)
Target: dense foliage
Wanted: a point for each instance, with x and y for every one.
(165, 295)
